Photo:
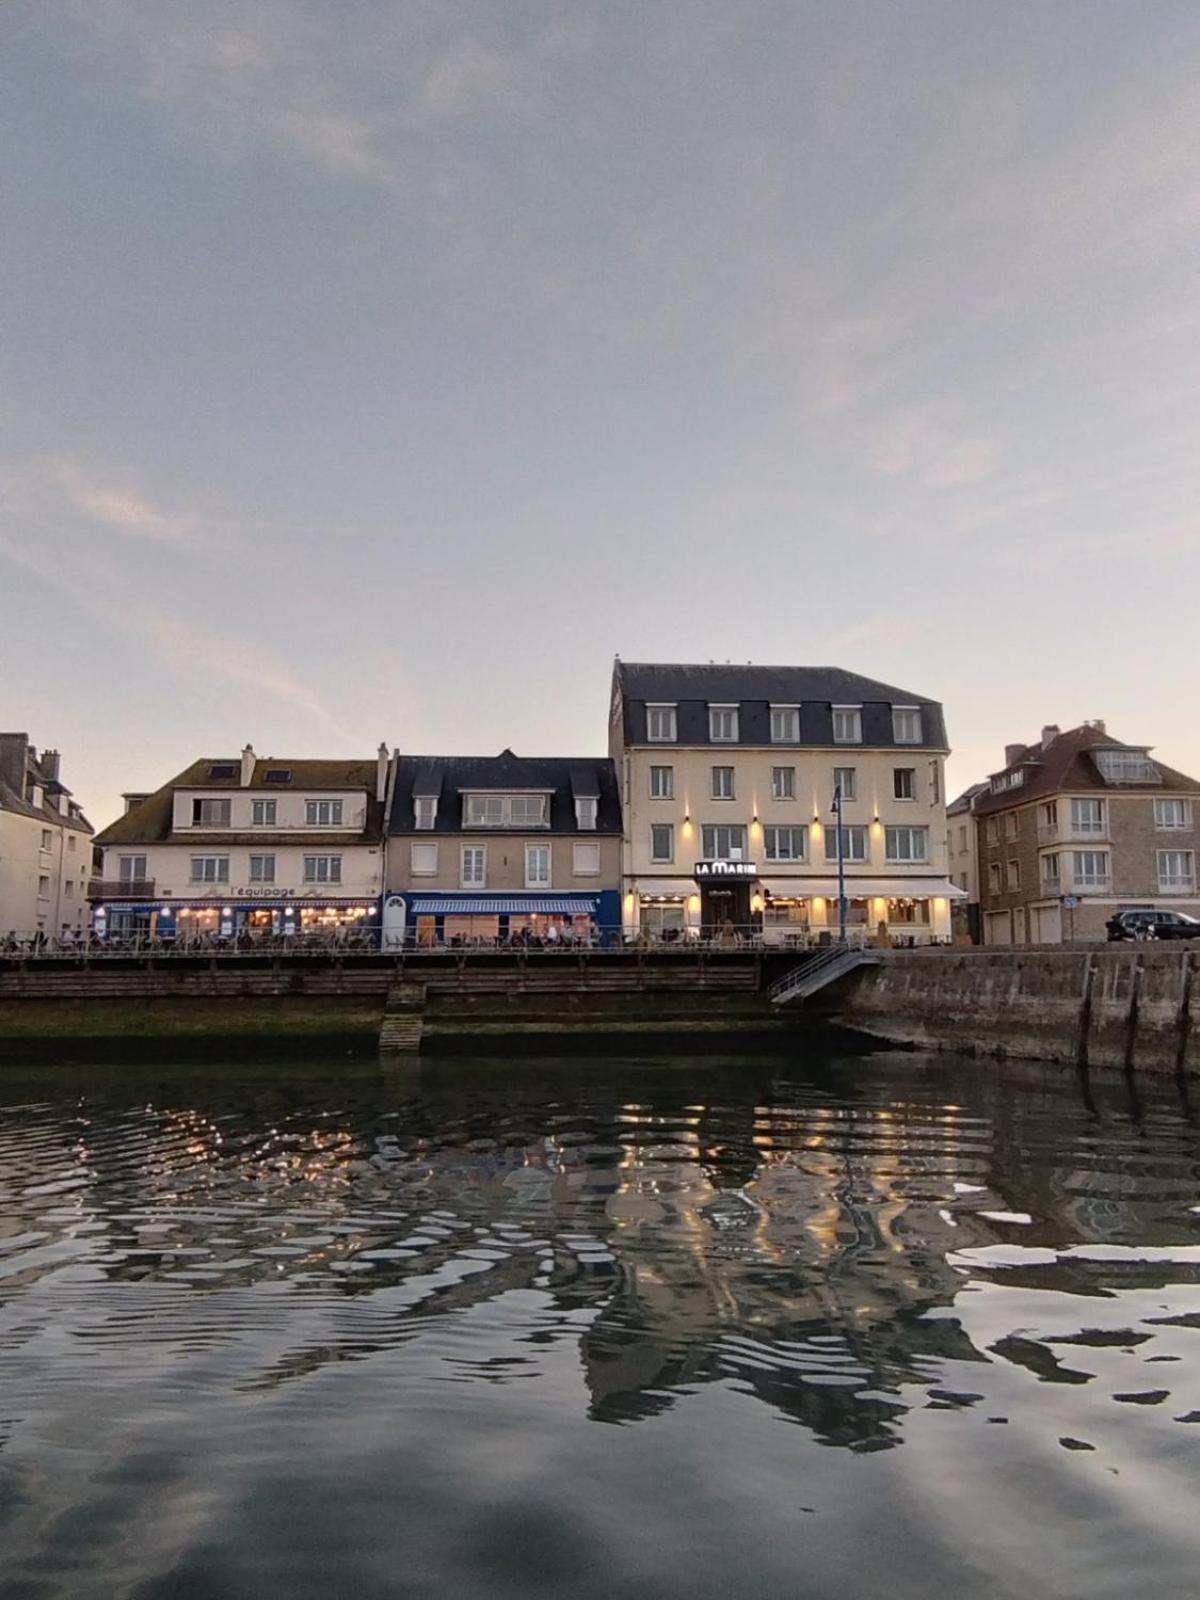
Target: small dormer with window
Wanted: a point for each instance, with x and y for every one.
(498, 810)
(1126, 766)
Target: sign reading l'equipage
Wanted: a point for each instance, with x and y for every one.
(712, 871)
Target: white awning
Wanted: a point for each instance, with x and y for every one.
(799, 888)
(654, 888)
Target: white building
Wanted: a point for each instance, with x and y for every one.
(727, 779)
(247, 845)
(45, 845)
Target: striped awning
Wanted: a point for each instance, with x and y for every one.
(457, 905)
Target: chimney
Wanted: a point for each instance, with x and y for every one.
(1012, 753)
(1049, 733)
(50, 764)
(381, 772)
(247, 765)
(1098, 724)
(134, 798)
(14, 749)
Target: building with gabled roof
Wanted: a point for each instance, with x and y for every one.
(45, 845)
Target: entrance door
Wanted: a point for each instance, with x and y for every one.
(722, 906)
(1049, 925)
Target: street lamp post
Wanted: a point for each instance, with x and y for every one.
(841, 863)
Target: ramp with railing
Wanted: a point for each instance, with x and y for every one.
(819, 971)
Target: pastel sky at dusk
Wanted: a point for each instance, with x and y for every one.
(376, 370)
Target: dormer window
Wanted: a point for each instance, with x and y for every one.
(323, 813)
(906, 724)
(223, 769)
(426, 810)
(585, 813)
(1126, 766)
(660, 724)
(723, 724)
(210, 813)
(506, 811)
(785, 724)
(847, 724)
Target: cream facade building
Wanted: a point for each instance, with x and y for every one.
(45, 845)
(728, 775)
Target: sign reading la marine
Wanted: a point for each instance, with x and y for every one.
(710, 871)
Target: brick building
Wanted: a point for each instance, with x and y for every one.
(1076, 827)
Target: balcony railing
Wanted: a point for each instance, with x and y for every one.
(121, 889)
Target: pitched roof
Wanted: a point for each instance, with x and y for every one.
(1067, 765)
(10, 800)
(563, 777)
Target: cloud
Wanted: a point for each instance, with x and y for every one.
(57, 486)
(914, 445)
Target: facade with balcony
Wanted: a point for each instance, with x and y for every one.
(728, 776)
(1077, 827)
(244, 847)
(45, 846)
(495, 849)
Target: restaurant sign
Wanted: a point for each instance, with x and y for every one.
(725, 871)
(261, 891)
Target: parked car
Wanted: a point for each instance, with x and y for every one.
(1152, 925)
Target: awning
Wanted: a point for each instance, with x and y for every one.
(864, 888)
(456, 905)
(653, 888)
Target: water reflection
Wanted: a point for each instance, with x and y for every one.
(870, 1251)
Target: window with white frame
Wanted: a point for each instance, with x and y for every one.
(425, 810)
(995, 878)
(323, 813)
(322, 869)
(131, 869)
(962, 838)
(43, 887)
(585, 860)
(210, 813)
(1013, 876)
(723, 724)
(262, 869)
(1091, 869)
(1087, 816)
(662, 783)
(262, 813)
(722, 783)
(783, 783)
(1049, 816)
(423, 860)
(662, 841)
(847, 724)
(1172, 814)
(47, 838)
(906, 724)
(210, 869)
(1176, 871)
(785, 844)
(854, 842)
(904, 783)
(507, 811)
(845, 782)
(537, 866)
(907, 844)
(70, 841)
(586, 807)
(785, 724)
(1050, 870)
(1126, 766)
(474, 866)
(660, 724)
(722, 841)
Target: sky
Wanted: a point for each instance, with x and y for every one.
(379, 370)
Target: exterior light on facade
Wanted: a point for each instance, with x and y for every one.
(756, 902)
(694, 903)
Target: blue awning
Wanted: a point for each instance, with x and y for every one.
(457, 905)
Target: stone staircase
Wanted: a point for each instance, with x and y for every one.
(403, 1019)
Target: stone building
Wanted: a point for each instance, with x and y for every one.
(1076, 827)
(45, 845)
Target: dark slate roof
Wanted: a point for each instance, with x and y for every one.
(10, 800)
(150, 821)
(447, 775)
(1066, 765)
(754, 689)
(966, 801)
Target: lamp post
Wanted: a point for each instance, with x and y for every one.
(841, 863)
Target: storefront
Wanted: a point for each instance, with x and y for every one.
(905, 910)
(463, 920)
(247, 920)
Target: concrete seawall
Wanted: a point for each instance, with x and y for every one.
(1136, 1007)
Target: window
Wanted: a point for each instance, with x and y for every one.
(1049, 817)
(210, 869)
(785, 724)
(537, 866)
(423, 860)
(1172, 814)
(277, 775)
(43, 887)
(660, 724)
(322, 869)
(585, 813)
(854, 843)
(323, 813)
(426, 810)
(907, 844)
(1126, 766)
(1087, 816)
(723, 724)
(1176, 871)
(785, 844)
(507, 811)
(847, 724)
(662, 841)
(904, 783)
(783, 783)
(845, 781)
(1050, 870)
(224, 769)
(992, 831)
(935, 782)
(1091, 868)
(47, 838)
(71, 841)
(474, 866)
(585, 860)
(210, 813)
(262, 869)
(69, 887)
(1014, 874)
(906, 724)
(262, 813)
(1012, 825)
(962, 839)
(723, 841)
(995, 882)
(662, 783)
(722, 783)
(132, 869)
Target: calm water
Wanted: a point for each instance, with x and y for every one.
(845, 1328)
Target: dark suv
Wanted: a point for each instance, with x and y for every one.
(1152, 925)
